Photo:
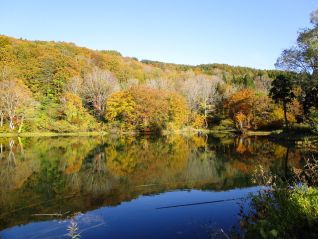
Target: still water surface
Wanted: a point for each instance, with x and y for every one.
(111, 187)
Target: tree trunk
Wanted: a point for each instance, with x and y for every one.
(1, 118)
(21, 124)
(205, 114)
(11, 125)
(286, 162)
(11, 156)
(285, 115)
(205, 118)
(248, 122)
(241, 125)
(21, 146)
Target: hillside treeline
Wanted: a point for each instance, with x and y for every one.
(60, 87)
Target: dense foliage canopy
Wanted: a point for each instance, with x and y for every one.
(147, 109)
(68, 88)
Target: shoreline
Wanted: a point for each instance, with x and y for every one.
(52, 134)
(275, 134)
(112, 132)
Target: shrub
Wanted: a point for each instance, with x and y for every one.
(73, 116)
(313, 119)
(283, 213)
(198, 121)
(226, 124)
(281, 210)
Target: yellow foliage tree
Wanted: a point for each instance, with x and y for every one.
(240, 120)
(145, 109)
(73, 111)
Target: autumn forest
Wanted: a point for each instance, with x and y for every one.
(59, 87)
(158, 119)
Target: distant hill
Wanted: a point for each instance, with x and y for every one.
(48, 64)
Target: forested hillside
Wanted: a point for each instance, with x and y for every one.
(60, 87)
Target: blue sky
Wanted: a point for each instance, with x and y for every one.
(246, 32)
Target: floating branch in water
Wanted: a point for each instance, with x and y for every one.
(147, 185)
(200, 203)
(51, 214)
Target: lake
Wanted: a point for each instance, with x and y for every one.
(131, 187)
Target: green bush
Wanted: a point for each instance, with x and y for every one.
(283, 213)
(225, 124)
(312, 119)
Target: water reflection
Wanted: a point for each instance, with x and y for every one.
(67, 175)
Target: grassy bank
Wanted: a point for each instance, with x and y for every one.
(258, 133)
(52, 134)
(191, 131)
(185, 131)
(296, 136)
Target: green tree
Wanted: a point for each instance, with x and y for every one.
(282, 92)
(302, 57)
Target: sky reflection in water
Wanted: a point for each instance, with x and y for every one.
(116, 185)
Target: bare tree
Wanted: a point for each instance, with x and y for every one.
(75, 85)
(130, 83)
(208, 96)
(262, 83)
(6, 73)
(160, 84)
(201, 92)
(1, 114)
(191, 90)
(97, 87)
(12, 96)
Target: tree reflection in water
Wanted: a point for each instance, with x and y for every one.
(77, 174)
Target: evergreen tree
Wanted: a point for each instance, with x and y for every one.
(282, 92)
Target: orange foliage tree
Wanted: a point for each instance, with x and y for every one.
(252, 110)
